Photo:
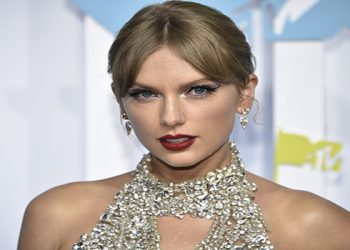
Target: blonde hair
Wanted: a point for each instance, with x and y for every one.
(201, 35)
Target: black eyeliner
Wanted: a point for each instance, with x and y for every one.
(135, 91)
(211, 87)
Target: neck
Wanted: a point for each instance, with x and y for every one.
(167, 173)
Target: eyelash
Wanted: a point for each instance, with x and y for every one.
(136, 93)
(208, 88)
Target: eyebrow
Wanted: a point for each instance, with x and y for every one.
(183, 86)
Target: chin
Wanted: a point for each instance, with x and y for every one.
(180, 160)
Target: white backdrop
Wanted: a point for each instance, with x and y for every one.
(41, 104)
(311, 103)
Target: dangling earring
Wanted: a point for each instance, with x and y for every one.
(244, 120)
(127, 124)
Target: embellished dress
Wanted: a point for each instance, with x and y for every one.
(224, 196)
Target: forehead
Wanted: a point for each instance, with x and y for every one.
(165, 66)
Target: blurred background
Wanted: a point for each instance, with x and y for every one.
(60, 123)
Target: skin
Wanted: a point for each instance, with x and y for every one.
(179, 104)
(297, 219)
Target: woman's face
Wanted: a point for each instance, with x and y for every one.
(179, 115)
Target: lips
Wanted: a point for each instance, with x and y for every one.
(177, 142)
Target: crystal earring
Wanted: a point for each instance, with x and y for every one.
(127, 124)
(244, 120)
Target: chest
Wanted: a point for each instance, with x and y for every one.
(184, 234)
(144, 220)
(216, 212)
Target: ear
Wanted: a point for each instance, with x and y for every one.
(247, 94)
(118, 98)
(121, 106)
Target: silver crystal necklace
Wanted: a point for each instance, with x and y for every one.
(223, 195)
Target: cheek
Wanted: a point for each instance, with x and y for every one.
(140, 119)
(136, 113)
(219, 115)
(144, 123)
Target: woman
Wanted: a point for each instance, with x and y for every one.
(181, 71)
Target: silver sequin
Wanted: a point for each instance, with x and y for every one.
(224, 195)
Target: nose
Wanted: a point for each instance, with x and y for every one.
(171, 112)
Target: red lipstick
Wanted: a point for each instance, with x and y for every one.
(177, 142)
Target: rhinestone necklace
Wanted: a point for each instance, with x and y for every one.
(224, 195)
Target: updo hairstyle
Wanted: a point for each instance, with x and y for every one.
(203, 36)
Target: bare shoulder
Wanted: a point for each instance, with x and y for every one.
(324, 224)
(302, 220)
(56, 218)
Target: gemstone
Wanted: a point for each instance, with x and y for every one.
(223, 196)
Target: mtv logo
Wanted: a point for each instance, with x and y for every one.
(298, 150)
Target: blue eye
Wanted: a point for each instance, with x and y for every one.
(199, 90)
(141, 94)
(145, 94)
(203, 90)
